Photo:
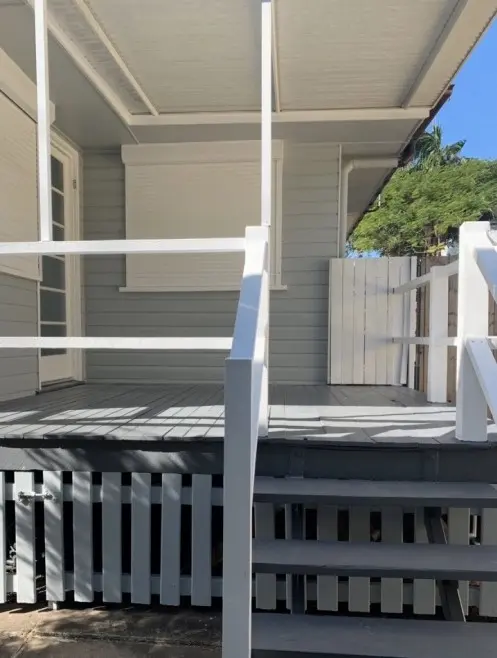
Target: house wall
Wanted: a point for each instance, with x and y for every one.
(18, 317)
(299, 315)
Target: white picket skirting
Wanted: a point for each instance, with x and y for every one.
(39, 565)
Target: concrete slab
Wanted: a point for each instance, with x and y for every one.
(10, 645)
(56, 647)
(87, 632)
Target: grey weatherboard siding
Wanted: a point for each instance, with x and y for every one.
(18, 317)
(299, 315)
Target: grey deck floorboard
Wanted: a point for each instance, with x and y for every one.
(439, 561)
(365, 415)
(345, 637)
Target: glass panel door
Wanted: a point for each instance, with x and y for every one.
(56, 364)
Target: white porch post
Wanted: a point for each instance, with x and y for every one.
(43, 121)
(266, 179)
(472, 312)
(438, 330)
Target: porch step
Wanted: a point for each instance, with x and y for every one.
(438, 561)
(355, 637)
(371, 493)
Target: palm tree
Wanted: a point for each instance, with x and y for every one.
(430, 152)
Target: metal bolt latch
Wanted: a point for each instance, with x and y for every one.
(27, 497)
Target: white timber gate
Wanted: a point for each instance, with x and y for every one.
(364, 316)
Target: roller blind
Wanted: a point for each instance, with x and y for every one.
(191, 200)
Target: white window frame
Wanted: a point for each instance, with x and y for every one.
(211, 153)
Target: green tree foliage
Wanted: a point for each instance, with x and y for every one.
(422, 205)
(430, 151)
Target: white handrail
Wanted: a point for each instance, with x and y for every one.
(245, 398)
(448, 270)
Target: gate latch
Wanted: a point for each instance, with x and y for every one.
(27, 497)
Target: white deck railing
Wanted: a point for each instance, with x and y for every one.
(88, 247)
(438, 340)
(476, 364)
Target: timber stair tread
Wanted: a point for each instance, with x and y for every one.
(371, 493)
(356, 637)
(437, 561)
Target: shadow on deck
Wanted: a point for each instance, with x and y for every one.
(183, 423)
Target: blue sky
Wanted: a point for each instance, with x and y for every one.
(471, 113)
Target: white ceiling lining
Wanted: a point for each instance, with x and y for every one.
(70, 19)
(185, 58)
(336, 54)
(471, 21)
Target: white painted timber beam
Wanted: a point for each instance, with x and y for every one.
(433, 54)
(43, 123)
(438, 331)
(275, 63)
(287, 116)
(100, 33)
(115, 101)
(117, 343)
(472, 322)
(86, 247)
(267, 72)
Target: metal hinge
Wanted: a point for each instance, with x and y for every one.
(74, 184)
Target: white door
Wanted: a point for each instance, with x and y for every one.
(60, 299)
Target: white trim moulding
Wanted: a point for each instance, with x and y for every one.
(287, 116)
(197, 152)
(16, 85)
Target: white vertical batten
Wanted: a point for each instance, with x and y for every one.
(438, 331)
(43, 121)
(266, 181)
(472, 321)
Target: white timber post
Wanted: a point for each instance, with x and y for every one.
(237, 510)
(472, 321)
(266, 181)
(43, 121)
(438, 331)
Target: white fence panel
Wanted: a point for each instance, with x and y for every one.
(54, 537)
(40, 558)
(364, 315)
(111, 537)
(392, 532)
(25, 538)
(140, 537)
(83, 537)
(327, 586)
(170, 539)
